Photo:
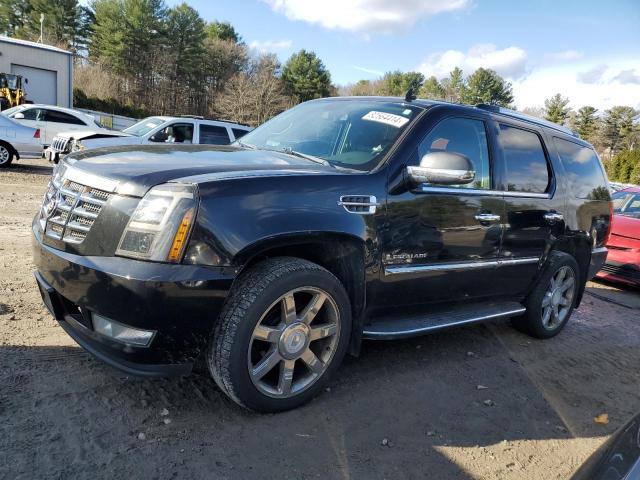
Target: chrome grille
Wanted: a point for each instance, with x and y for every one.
(60, 144)
(69, 209)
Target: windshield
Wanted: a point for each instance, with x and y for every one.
(626, 204)
(348, 133)
(143, 126)
(9, 81)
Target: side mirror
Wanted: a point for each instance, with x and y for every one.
(160, 136)
(19, 116)
(442, 168)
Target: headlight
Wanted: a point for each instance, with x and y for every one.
(159, 228)
(76, 146)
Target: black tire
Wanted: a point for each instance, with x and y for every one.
(4, 103)
(256, 293)
(533, 322)
(7, 154)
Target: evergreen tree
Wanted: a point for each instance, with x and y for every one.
(556, 109)
(618, 129)
(486, 86)
(223, 31)
(454, 86)
(306, 77)
(585, 123)
(397, 83)
(432, 89)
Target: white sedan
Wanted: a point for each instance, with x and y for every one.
(17, 141)
(52, 120)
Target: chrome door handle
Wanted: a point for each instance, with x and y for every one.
(487, 217)
(553, 217)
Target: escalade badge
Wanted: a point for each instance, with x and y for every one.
(51, 206)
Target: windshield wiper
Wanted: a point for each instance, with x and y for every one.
(246, 145)
(295, 153)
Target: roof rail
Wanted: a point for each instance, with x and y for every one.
(521, 116)
(200, 117)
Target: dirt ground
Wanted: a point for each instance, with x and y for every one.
(406, 409)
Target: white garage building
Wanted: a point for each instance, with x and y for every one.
(49, 70)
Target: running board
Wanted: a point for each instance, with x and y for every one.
(388, 328)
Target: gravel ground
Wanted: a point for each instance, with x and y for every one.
(407, 409)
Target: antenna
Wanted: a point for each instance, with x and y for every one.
(409, 96)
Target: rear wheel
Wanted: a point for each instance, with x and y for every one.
(6, 155)
(551, 302)
(282, 334)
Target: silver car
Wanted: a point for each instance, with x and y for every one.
(17, 141)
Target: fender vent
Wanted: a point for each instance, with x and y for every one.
(359, 204)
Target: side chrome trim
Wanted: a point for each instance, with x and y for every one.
(476, 191)
(599, 250)
(403, 269)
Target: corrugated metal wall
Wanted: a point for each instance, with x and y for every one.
(34, 57)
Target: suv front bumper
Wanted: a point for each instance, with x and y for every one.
(179, 302)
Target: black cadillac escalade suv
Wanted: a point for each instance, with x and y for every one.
(339, 220)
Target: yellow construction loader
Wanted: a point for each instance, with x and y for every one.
(11, 91)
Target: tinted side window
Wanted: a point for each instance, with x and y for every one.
(525, 161)
(584, 174)
(61, 117)
(32, 114)
(461, 135)
(239, 133)
(213, 135)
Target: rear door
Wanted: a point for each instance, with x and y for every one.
(214, 134)
(533, 208)
(57, 122)
(442, 243)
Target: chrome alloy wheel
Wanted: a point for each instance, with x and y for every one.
(558, 298)
(5, 155)
(294, 341)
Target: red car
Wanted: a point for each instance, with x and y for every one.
(623, 260)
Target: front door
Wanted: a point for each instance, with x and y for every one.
(442, 243)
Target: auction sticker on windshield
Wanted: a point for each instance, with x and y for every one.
(386, 118)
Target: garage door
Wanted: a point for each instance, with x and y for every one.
(42, 86)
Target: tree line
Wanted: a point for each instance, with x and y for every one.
(141, 57)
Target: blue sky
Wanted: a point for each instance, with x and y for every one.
(587, 50)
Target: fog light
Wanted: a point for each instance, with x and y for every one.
(120, 332)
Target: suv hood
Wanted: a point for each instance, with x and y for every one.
(96, 133)
(134, 170)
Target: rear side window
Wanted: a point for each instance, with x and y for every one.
(61, 117)
(584, 174)
(461, 135)
(213, 135)
(33, 114)
(525, 161)
(239, 133)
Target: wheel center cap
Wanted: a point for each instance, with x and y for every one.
(294, 340)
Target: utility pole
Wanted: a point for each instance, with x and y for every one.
(41, 22)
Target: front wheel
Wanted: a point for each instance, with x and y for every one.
(282, 334)
(551, 302)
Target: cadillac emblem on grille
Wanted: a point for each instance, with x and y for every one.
(69, 209)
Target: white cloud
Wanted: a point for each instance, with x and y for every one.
(608, 89)
(592, 75)
(270, 45)
(566, 55)
(628, 76)
(509, 62)
(365, 16)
